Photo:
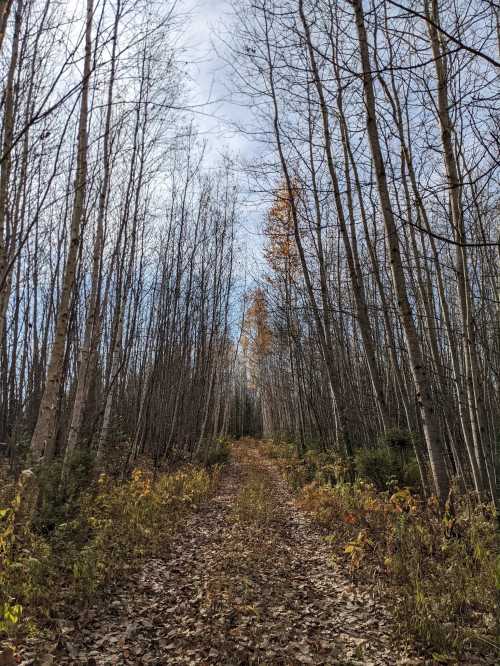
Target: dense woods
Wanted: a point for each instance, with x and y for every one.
(136, 347)
(116, 243)
(379, 309)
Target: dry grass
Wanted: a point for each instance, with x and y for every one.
(255, 503)
(115, 527)
(439, 569)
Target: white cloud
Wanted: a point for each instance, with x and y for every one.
(210, 96)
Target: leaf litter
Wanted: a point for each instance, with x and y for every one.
(231, 591)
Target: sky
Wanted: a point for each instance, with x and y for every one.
(213, 110)
(210, 85)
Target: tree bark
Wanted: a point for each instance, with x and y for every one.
(43, 439)
(424, 394)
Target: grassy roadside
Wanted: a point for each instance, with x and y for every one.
(438, 571)
(115, 527)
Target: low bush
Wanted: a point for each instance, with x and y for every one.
(116, 525)
(390, 464)
(386, 467)
(441, 568)
(124, 522)
(397, 439)
(278, 449)
(60, 502)
(324, 466)
(218, 453)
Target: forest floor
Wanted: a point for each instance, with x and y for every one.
(249, 580)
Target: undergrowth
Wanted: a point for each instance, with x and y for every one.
(116, 525)
(250, 546)
(218, 452)
(254, 504)
(439, 568)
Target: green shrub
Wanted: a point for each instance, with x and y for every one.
(411, 474)
(219, 452)
(385, 467)
(324, 466)
(60, 501)
(397, 439)
(380, 466)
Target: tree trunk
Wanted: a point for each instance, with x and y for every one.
(43, 439)
(424, 395)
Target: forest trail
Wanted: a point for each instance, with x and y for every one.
(240, 587)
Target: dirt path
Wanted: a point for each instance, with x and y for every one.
(248, 581)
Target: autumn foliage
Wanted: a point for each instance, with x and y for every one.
(280, 250)
(438, 569)
(117, 525)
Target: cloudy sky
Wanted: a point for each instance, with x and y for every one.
(211, 97)
(208, 19)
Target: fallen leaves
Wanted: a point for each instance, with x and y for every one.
(7, 657)
(236, 592)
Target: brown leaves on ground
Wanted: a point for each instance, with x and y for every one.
(238, 588)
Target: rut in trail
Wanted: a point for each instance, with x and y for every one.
(232, 591)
